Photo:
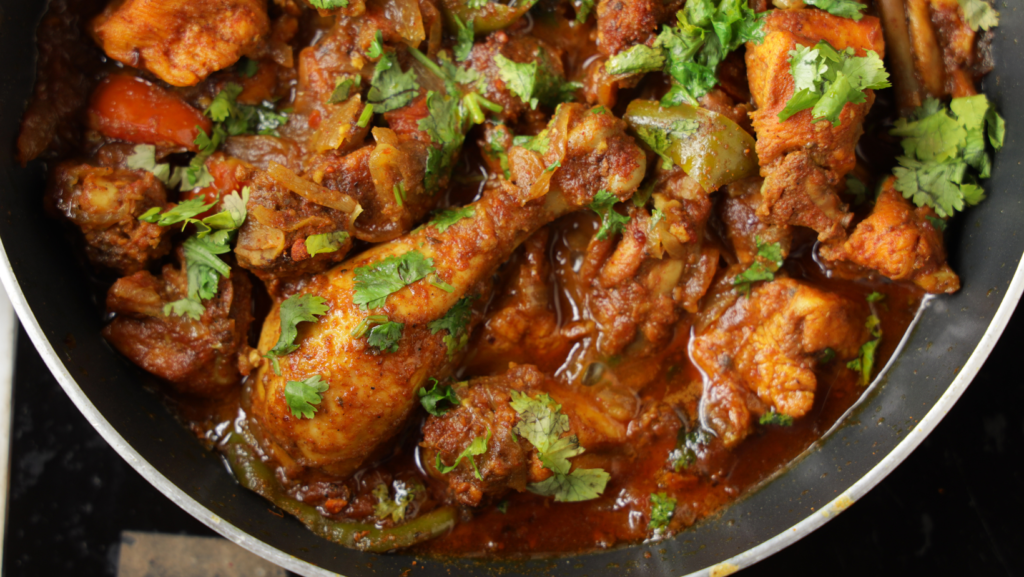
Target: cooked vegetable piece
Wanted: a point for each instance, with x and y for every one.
(135, 110)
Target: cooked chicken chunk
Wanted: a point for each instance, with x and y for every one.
(759, 352)
(372, 393)
(738, 213)
(198, 357)
(105, 204)
(510, 462)
(804, 162)
(181, 42)
(899, 242)
(622, 24)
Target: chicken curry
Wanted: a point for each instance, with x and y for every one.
(537, 277)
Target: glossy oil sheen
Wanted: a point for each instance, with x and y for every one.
(985, 247)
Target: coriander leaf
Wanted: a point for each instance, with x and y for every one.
(996, 128)
(827, 355)
(935, 137)
(477, 447)
(612, 222)
(463, 38)
(844, 8)
(234, 213)
(658, 141)
(325, 243)
(390, 88)
(979, 14)
(185, 307)
(636, 59)
(580, 485)
(439, 399)
(328, 4)
(395, 508)
(376, 49)
(294, 310)
(541, 421)
(455, 321)
(865, 361)
(144, 158)
(583, 9)
(521, 78)
(248, 67)
(825, 80)
(373, 283)
(662, 509)
(538, 143)
(184, 212)
(774, 418)
(446, 218)
(768, 260)
(937, 223)
(385, 336)
(223, 105)
(558, 453)
(303, 396)
(875, 297)
(343, 88)
(202, 266)
(495, 148)
(443, 124)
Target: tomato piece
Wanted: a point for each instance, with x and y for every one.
(135, 110)
(229, 175)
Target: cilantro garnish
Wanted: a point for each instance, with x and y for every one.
(495, 149)
(373, 283)
(768, 260)
(662, 509)
(376, 49)
(583, 9)
(865, 361)
(938, 223)
(826, 79)
(538, 143)
(636, 60)
(446, 218)
(247, 67)
(542, 423)
(439, 399)
(184, 212)
(391, 88)
(202, 266)
(455, 322)
(463, 38)
(827, 355)
(875, 297)
(444, 126)
(365, 116)
(394, 508)
(477, 447)
(774, 418)
(979, 14)
(329, 4)
(185, 308)
(940, 149)
(325, 243)
(144, 158)
(476, 4)
(229, 219)
(303, 396)
(236, 119)
(612, 222)
(385, 336)
(535, 82)
(294, 310)
(844, 8)
(687, 447)
(343, 88)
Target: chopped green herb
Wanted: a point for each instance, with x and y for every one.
(476, 4)
(184, 212)
(539, 143)
(436, 281)
(455, 321)
(248, 67)
(385, 336)
(477, 447)
(144, 158)
(769, 259)
(636, 59)
(553, 166)
(294, 310)
(827, 355)
(579, 485)
(343, 87)
(826, 79)
(875, 297)
(938, 223)
(202, 266)
(774, 418)
(446, 218)
(663, 508)
(521, 78)
(390, 88)
(303, 396)
(535, 82)
(865, 361)
(495, 149)
(439, 399)
(845, 8)
(395, 508)
(660, 140)
(940, 148)
(443, 125)
(399, 191)
(583, 9)
(687, 447)
(463, 38)
(612, 222)
(376, 49)
(979, 14)
(373, 283)
(326, 243)
(185, 307)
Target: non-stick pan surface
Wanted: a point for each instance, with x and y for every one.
(940, 355)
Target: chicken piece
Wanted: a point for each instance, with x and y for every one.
(758, 353)
(737, 212)
(272, 242)
(804, 162)
(522, 322)
(511, 461)
(105, 203)
(622, 24)
(181, 42)
(521, 49)
(899, 242)
(658, 269)
(372, 394)
(198, 357)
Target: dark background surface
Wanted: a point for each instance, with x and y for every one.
(953, 507)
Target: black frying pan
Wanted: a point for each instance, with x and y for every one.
(940, 355)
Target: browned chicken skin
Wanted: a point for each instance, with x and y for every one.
(804, 162)
(105, 204)
(897, 241)
(198, 357)
(758, 353)
(181, 42)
